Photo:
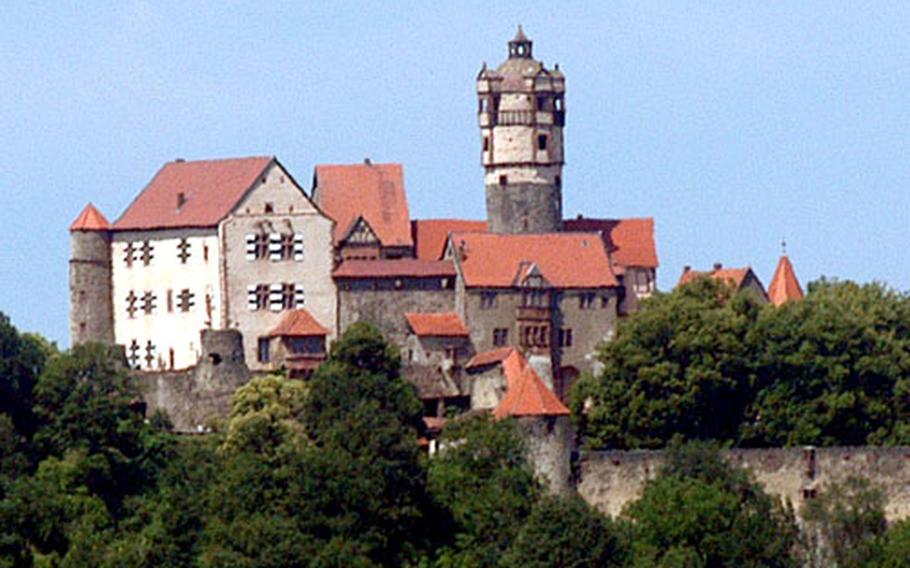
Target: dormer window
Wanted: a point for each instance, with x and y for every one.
(181, 200)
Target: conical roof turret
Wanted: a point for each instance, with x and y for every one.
(784, 286)
(90, 220)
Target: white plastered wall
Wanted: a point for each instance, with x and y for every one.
(168, 329)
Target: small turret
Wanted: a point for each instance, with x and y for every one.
(91, 308)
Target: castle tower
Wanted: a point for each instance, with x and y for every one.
(521, 114)
(91, 309)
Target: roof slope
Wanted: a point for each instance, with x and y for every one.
(372, 191)
(445, 324)
(526, 393)
(630, 242)
(430, 235)
(395, 268)
(565, 260)
(298, 323)
(489, 357)
(210, 189)
(739, 278)
(784, 286)
(90, 220)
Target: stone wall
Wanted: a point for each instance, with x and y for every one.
(91, 315)
(195, 396)
(548, 440)
(385, 308)
(611, 479)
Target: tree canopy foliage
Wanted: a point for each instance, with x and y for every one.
(708, 364)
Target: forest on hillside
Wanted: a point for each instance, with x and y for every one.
(329, 472)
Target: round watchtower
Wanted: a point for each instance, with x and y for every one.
(91, 308)
(521, 112)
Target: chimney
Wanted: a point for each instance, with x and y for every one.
(367, 162)
(718, 266)
(686, 268)
(180, 160)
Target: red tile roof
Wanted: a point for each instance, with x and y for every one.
(398, 268)
(526, 393)
(565, 260)
(738, 277)
(630, 242)
(211, 189)
(298, 323)
(90, 220)
(784, 286)
(446, 324)
(372, 191)
(489, 357)
(430, 235)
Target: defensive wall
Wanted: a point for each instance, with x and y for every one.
(611, 479)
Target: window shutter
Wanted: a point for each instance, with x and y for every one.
(251, 299)
(298, 247)
(275, 246)
(251, 247)
(275, 297)
(298, 296)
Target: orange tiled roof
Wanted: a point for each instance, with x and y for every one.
(401, 267)
(630, 242)
(784, 286)
(90, 220)
(430, 235)
(211, 189)
(565, 260)
(298, 323)
(526, 393)
(446, 324)
(489, 357)
(738, 277)
(372, 191)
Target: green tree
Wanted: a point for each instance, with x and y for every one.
(833, 369)
(680, 365)
(482, 478)
(266, 414)
(845, 525)
(565, 532)
(701, 512)
(895, 550)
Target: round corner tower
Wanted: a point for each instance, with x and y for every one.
(522, 113)
(91, 308)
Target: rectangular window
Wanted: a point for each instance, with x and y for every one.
(257, 297)
(170, 301)
(487, 300)
(185, 300)
(131, 307)
(148, 302)
(183, 251)
(604, 302)
(276, 303)
(275, 247)
(147, 252)
(503, 180)
(541, 103)
(500, 336)
(257, 246)
(586, 300)
(262, 353)
(287, 246)
(565, 337)
(486, 143)
(534, 298)
(129, 255)
(541, 141)
(298, 296)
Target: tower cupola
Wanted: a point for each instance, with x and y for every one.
(520, 46)
(521, 114)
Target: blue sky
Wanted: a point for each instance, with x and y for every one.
(733, 124)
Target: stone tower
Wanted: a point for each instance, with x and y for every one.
(91, 309)
(521, 113)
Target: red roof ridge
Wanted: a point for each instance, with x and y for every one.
(438, 324)
(490, 357)
(90, 219)
(198, 193)
(392, 268)
(784, 285)
(629, 240)
(526, 393)
(431, 235)
(298, 323)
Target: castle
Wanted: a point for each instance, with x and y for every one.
(239, 244)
